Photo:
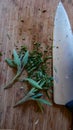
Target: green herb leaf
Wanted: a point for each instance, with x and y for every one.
(10, 63)
(25, 58)
(42, 83)
(38, 95)
(0, 54)
(33, 83)
(43, 101)
(16, 59)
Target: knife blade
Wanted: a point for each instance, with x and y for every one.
(63, 58)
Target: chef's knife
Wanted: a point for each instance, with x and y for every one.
(63, 59)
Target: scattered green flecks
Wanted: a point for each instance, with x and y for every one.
(35, 63)
(0, 53)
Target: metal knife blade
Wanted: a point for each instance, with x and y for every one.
(62, 57)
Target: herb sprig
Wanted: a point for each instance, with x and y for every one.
(18, 62)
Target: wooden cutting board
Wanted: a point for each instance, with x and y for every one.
(23, 22)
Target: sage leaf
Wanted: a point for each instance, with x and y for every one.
(33, 83)
(38, 95)
(42, 83)
(32, 91)
(25, 58)
(10, 63)
(43, 101)
(16, 58)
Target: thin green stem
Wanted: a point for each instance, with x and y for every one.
(20, 102)
(40, 106)
(26, 98)
(47, 94)
(12, 81)
(9, 85)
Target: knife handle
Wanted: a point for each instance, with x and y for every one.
(69, 105)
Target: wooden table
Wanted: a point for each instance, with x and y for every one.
(23, 22)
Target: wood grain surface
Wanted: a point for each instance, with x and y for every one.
(23, 22)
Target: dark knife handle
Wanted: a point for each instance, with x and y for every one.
(69, 105)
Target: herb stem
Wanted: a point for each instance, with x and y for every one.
(12, 81)
(47, 94)
(26, 98)
(40, 106)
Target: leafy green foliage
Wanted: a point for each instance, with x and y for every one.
(16, 59)
(10, 63)
(36, 65)
(25, 58)
(33, 83)
(43, 101)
